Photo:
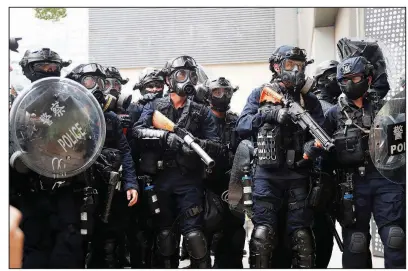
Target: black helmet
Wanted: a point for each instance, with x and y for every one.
(181, 82)
(112, 72)
(92, 76)
(42, 63)
(325, 78)
(325, 66)
(146, 76)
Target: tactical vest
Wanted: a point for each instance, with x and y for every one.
(351, 141)
(191, 119)
(280, 145)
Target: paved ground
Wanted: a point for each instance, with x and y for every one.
(335, 262)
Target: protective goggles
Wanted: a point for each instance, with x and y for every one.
(113, 83)
(90, 82)
(46, 67)
(327, 79)
(154, 84)
(182, 75)
(290, 64)
(355, 78)
(221, 92)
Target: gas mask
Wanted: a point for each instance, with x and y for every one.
(354, 88)
(182, 82)
(221, 98)
(96, 84)
(292, 73)
(112, 87)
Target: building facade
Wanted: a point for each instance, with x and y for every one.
(236, 42)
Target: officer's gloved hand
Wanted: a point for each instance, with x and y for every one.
(186, 150)
(125, 120)
(148, 97)
(136, 133)
(173, 141)
(278, 115)
(312, 150)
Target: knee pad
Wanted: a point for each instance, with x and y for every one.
(196, 244)
(262, 240)
(396, 238)
(304, 247)
(166, 243)
(358, 242)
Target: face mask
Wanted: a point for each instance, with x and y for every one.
(354, 91)
(220, 104)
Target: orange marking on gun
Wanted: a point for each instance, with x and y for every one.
(269, 95)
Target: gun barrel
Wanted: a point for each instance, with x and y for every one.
(109, 197)
(203, 155)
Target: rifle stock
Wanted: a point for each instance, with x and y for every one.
(160, 121)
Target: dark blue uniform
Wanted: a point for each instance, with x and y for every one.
(229, 248)
(179, 184)
(271, 186)
(106, 237)
(372, 194)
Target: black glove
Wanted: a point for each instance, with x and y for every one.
(125, 120)
(147, 98)
(278, 115)
(311, 150)
(173, 141)
(186, 150)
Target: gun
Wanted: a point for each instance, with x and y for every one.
(334, 231)
(160, 121)
(105, 168)
(299, 116)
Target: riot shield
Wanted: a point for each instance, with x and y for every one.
(387, 139)
(57, 127)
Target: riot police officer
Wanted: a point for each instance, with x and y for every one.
(327, 90)
(363, 190)
(140, 232)
(108, 234)
(277, 174)
(228, 248)
(47, 244)
(178, 181)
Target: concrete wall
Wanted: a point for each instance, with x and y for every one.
(323, 47)
(306, 27)
(348, 24)
(286, 26)
(246, 76)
